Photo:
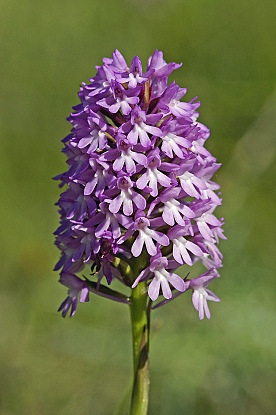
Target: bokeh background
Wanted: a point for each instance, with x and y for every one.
(50, 365)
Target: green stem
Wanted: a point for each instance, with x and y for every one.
(140, 319)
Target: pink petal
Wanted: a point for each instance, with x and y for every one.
(115, 204)
(194, 248)
(206, 308)
(177, 282)
(195, 299)
(139, 200)
(151, 248)
(185, 255)
(143, 180)
(137, 246)
(168, 216)
(153, 290)
(127, 206)
(167, 293)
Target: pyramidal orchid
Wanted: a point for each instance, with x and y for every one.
(138, 200)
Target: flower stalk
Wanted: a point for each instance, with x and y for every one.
(140, 321)
(139, 201)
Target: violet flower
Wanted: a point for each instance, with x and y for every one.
(139, 201)
(139, 177)
(201, 294)
(161, 278)
(76, 286)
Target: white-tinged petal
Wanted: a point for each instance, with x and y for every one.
(154, 288)
(137, 245)
(151, 248)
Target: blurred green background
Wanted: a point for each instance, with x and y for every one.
(50, 365)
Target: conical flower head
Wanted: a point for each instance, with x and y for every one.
(139, 200)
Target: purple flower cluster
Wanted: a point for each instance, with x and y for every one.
(139, 200)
